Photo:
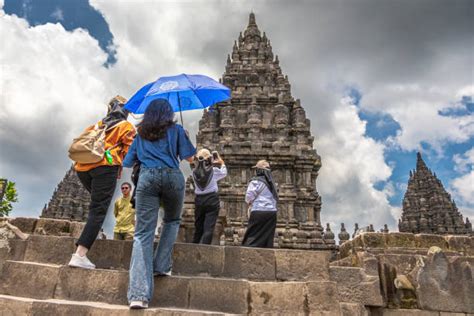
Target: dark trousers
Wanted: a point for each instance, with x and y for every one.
(261, 229)
(205, 217)
(100, 182)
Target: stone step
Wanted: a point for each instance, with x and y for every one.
(49, 281)
(20, 306)
(188, 259)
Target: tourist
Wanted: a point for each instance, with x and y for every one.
(101, 177)
(262, 197)
(206, 210)
(124, 214)
(159, 145)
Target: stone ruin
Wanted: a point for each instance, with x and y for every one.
(428, 208)
(261, 121)
(70, 199)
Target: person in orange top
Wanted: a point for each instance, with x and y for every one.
(100, 178)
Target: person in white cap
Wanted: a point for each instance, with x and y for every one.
(207, 203)
(262, 197)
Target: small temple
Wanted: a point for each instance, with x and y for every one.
(70, 199)
(428, 207)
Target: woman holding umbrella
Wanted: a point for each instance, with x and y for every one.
(159, 146)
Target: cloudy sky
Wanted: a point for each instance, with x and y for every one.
(379, 80)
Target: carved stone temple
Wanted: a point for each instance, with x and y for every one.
(261, 121)
(70, 199)
(428, 208)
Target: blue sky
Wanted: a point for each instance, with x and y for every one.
(396, 66)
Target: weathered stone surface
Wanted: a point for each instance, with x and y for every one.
(278, 298)
(25, 224)
(17, 249)
(92, 285)
(47, 226)
(405, 240)
(107, 254)
(299, 265)
(373, 240)
(446, 284)
(323, 298)
(430, 240)
(171, 292)
(194, 259)
(354, 286)
(249, 263)
(461, 244)
(224, 295)
(75, 229)
(408, 312)
(49, 249)
(29, 279)
(351, 309)
(15, 307)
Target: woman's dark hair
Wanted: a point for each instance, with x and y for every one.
(159, 116)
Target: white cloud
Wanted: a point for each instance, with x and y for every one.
(58, 14)
(463, 186)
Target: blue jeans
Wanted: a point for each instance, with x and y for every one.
(155, 185)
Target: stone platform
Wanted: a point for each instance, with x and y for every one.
(217, 280)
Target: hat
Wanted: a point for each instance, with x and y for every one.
(262, 164)
(117, 99)
(204, 153)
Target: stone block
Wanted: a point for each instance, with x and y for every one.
(92, 285)
(25, 224)
(351, 309)
(278, 298)
(354, 286)
(195, 259)
(405, 240)
(49, 249)
(54, 227)
(451, 314)
(299, 265)
(428, 240)
(460, 244)
(17, 249)
(323, 298)
(223, 295)
(29, 279)
(373, 240)
(446, 284)
(408, 312)
(345, 250)
(75, 229)
(249, 263)
(171, 292)
(106, 253)
(15, 306)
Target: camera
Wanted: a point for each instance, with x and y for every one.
(215, 155)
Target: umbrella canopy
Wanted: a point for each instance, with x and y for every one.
(184, 92)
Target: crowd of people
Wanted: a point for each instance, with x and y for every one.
(154, 150)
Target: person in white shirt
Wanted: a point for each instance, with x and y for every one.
(207, 203)
(262, 197)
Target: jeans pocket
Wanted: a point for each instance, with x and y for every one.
(175, 180)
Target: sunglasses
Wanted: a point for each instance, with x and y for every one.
(125, 188)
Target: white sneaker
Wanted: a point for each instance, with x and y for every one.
(81, 262)
(138, 305)
(159, 274)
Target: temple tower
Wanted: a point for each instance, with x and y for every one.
(261, 121)
(70, 199)
(427, 207)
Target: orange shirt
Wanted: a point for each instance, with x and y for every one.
(122, 133)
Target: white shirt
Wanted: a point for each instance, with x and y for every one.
(218, 174)
(260, 197)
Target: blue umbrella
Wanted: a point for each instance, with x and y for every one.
(183, 92)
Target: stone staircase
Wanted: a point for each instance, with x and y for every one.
(35, 280)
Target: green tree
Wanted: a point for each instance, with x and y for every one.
(10, 196)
